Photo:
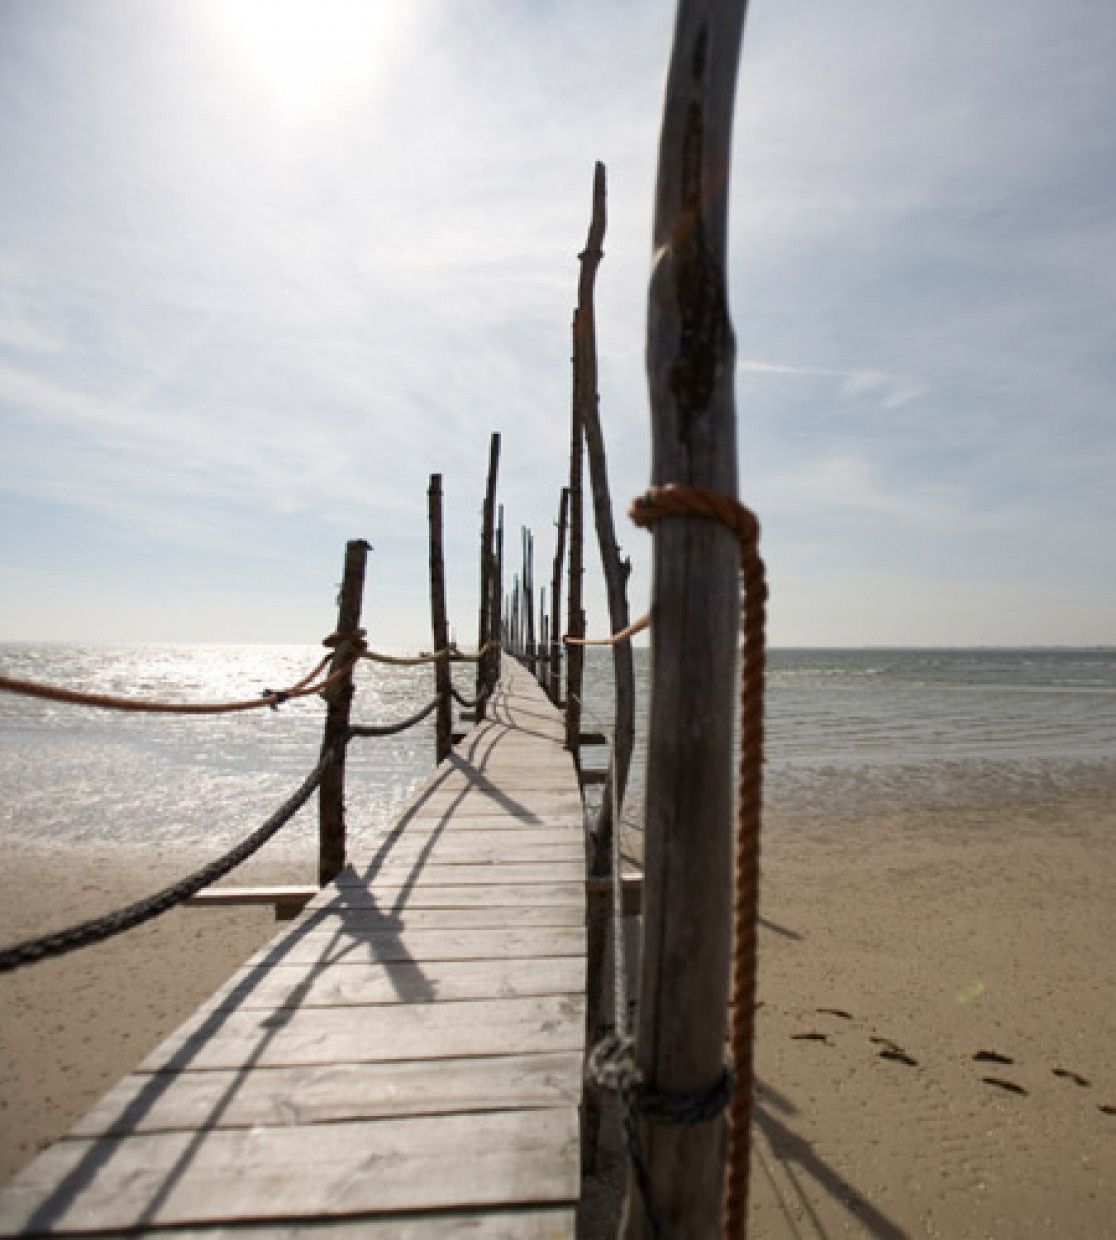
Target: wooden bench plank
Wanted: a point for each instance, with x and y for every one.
(403, 899)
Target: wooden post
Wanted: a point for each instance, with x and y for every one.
(554, 661)
(529, 597)
(575, 655)
(339, 697)
(616, 568)
(498, 625)
(695, 612)
(541, 648)
(487, 628)
(439, 629)
(616, 573)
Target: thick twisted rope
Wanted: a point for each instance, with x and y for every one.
(390, 729)
(637, 626)
(450, 652)
(308, 685)
(674, 500)
(86, 933)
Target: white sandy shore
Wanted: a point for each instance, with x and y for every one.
(928, 939)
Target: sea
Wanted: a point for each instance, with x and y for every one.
(849, 732)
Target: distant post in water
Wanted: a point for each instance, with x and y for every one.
(339, 697)
(487, 628)
(439, 627)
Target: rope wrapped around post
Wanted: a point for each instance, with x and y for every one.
(675, 500)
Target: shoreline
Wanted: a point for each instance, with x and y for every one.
(893, 950)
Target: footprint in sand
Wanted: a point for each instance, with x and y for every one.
(834, 1012)
(811, 1037)
(1106, 1108)
(893, 1052)
(1000, 1083)
(992, 1057)
(1075, 1077)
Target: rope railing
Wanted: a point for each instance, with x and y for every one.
(451, 652)
(391, 729)
(306, 687)
(614, 639)
(98, 929)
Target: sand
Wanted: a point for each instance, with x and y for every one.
(898, 956)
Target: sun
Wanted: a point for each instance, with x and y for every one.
(309, 56)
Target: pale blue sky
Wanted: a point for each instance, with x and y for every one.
(266, 266)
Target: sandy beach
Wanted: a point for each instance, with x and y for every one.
(934, 1042)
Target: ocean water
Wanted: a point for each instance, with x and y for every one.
(849, 732)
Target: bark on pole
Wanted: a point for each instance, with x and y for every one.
(554, 668)
(616, 568)
(339, 697)
(575, 655)
(486, 629)
(443, 741)
(695, 610)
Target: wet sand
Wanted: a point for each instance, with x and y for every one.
(934, 1043)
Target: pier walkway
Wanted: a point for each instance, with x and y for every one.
(402, 1061)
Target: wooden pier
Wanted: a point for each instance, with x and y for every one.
(404, 1060)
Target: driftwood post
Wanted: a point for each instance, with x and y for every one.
(529, 595)
(439, 629)
(487, 629)
(498, 627)
(554, 651)
(616, 572)
(575, 655)
(695, 610)
(339, 697)
(616, 569)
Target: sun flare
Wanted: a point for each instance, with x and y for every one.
(309, 56)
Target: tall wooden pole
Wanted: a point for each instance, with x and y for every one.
(575, 655)
(486, 630)
(529, 593)
(339, 697)
(443, 741)
(554, 652)
(694, 610)
(498, 627)
(616, 568)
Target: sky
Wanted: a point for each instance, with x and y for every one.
(266, 266)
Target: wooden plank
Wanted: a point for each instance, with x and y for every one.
(354, 920)
(570, 819)
(329, 1092)
(328, 1170)
(487, 847)
(234, 1039)
(318, 945)
(453, 874)
(506, 896)
(352, 983)
(502, 1223)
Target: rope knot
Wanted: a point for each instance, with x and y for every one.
(277, 697)
(675, 500)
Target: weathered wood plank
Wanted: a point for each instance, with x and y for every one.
(505, 895)
(452, 874)
(281, 1097)
(501, 1223)
(425, 1162)
(315, 945)
(235, 1039)
(495, 917)
(354, 983)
